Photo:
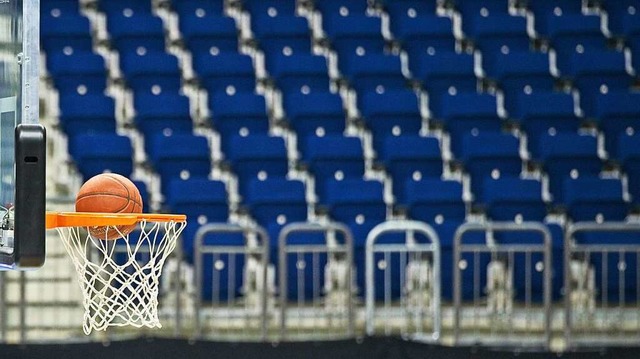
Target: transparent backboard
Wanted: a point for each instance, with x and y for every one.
(20, 134)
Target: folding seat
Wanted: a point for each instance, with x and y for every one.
(634, 47)
(617, 113)
(89, 113)
(354, 34)
(568, 155)
(202, 7)
(281, 34)
(542, 10)
(257, 156)
(598, 72)
(591, 198)
(102, 152)
(411, 8)
(359, 204)
(489, 155)
(510, 198)
(300, 72)
(333, 157)
(202, 200)
(425, 32)
(410, 156)
(443, 72)
(273, 8)
(151, 71)
(498, 33)
(541, 113)
(138, 31)
(65, 32)
(465, 113)
(59, 7)
(224, 72)
(574, 34)
(276, 200)
(164, 112)
(439, 203)
(474, 11)
(343, 7)
(620, 13)
(314, 114)
(78, 71)
(629, 157)
(112, 7)
(181, 155)
(390, 113)
(373, 72)
(207, 32)
(243, 113)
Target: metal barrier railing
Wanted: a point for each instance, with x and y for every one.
(410, 270)
(304, 307)
(234, 309)
(602, 284)
(499, 307)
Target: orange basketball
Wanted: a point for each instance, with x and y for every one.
(109, 193)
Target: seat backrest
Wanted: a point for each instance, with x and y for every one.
(433, 200)
(514, 199)
(590, 198)
(197, 197)
(276, 200)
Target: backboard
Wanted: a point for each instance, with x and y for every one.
(22, 139)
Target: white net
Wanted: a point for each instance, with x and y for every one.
(120, 278)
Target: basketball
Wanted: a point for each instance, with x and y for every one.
(109, 193)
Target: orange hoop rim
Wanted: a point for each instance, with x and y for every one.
(93, 219)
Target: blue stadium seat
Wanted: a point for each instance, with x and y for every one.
(242, 113)
(359, 204)
(101, 152)
(411, 8)
(300, 72)
(354, 34)
(541, 113)
(465, 113)
(198, 7)
(163, 112)
(333, 157)
(390, 113)
(276, 200)
(281, 34)
(274, 8)
(634, 46)
(433, 200)
(512, 198)
(422, 33)
(147, 70)
(373, 71)
(65, 32)
(573, 33)
(443, 72)
(542, 10)
(196, 197)
(499, 33)
(204, 32)
(489, 155)
(629, 156)
(473, 12)
(314, 114)
(111, 7)
(518, 73)
(343, 7)
(130, 32)
(567, 155)
(172, 158)
(597, 72)
(620, 13)
(79, 71)
(56, 8)
(617, 113)
(89, 113)
(410, 156)
(224, 72)
(257, 156)
(592, 198)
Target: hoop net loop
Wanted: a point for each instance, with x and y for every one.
(119, 278)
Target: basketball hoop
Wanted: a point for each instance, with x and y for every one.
(119, 287)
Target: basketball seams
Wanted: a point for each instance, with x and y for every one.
(129, 197)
